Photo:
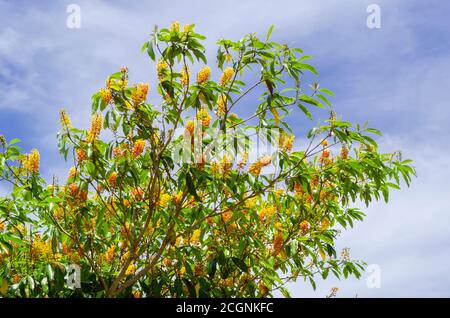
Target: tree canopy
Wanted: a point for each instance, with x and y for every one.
(175, 195)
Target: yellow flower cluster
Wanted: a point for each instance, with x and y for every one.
(175, 26)
(285, 142)
(164, 200)
(267, 212)
(139, 93)
(226, 76)
(64, 118)
(189, 128)
(96, 127)
(161, 69)
(40, 248)
(105, 93)
(243, 161)
(344, 153)
(204, 75)
(204, 117)
(251, 203)
(195, 238)
(31, 161)
(221, 105)
(255, 168)
(81, 155)
(73, 172)
(325, 224)
(138, 148)
(2, 225)
(185, 76)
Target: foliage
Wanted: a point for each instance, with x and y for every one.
(140, 222)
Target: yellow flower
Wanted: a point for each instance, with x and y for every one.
(255, 168)
(266, 160)
(177, 197)
(73, 173)
(105, 93)
(162, 68)
(227, 75)
(221, 105)
(189, 129)
(164, 200)
(228, 58)
(31, 161)
(96, 127)
(204, 117)
(139, 93)
(182, 271)
(175, 26)
(325, 224)
(195, 236)
(187, 28)
(40, 248)
(185, 76)
(204, 74)
(131, 269)
(250, 203)
(81, 155)
(279, 226)
(226, 164)
(2, 225)
(64, 118)
(344, 153)
(138, 148)
(243, 161)
(267, 212)
(324, 142)
(285, 142)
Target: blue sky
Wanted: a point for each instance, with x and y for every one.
(396, 77)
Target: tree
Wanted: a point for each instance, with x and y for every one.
(148, 211)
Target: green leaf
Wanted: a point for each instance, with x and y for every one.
(305, 111)
(269, 32)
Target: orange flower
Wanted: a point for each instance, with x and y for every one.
(137, 194)
(138, 148)
(278, 242)
(304, 226)
(73, 187)
(112, 179)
